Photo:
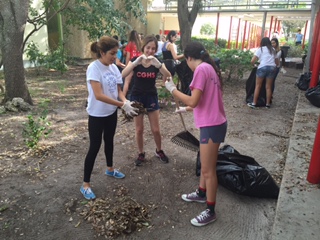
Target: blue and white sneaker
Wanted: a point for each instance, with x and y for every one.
(115, 173)
(87, 193)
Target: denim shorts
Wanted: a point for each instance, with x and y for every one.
(150, 102)
(266, 72)
(216, 133)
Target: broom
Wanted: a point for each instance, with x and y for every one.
(185, 139)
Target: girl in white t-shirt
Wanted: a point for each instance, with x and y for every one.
(266, 70)
(275, 45)
(104, 87)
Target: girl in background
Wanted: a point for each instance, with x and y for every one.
(170, 53)
(133, 49)
(209, 115)
(266, 70)
(275, 45)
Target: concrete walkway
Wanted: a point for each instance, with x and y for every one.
(298, 208)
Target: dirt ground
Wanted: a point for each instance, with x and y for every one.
(40, 197)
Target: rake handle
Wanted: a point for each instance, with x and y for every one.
(177, 104)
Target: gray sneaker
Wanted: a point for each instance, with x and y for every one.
(203, 218)
(193, 197)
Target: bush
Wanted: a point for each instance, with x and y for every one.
(209, 43)
(56, 59)
(235, 62)
(295, 51)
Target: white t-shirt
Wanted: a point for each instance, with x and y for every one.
(160, 45)
(109, 77)
(278, 56)
(265, 58)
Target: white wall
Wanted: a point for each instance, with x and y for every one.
(41, 36)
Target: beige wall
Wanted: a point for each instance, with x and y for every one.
(78, 44)
(41, 36)
(155, 23)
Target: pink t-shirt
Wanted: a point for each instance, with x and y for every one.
(210, 109)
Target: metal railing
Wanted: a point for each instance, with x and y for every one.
(227, 5)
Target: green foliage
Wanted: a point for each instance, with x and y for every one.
(56, 59)
(295, 51)
(163, 93)
(234, 62)
(209, 43)
(292, 26)
(207, 29)
(102, 17)
(35, 128)
(34, 55)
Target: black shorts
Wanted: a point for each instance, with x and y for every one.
(216, 133)
(150, 102)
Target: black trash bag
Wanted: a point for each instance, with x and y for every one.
(185, 75)
(170, 66)
(313, 95)
(228, 149)
(250, 86)
(242, 174)
(225, 148)
(303, 81)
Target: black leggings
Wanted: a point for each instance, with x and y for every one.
(97, 126)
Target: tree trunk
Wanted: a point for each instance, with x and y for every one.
(13, 17)
(187, 19)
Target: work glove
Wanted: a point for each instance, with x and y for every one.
(181, 110)
(139, 60)
(170, 85)
(155, 62)
(129, 110)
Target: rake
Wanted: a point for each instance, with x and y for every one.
(185, 138)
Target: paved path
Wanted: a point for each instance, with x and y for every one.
(298, 208)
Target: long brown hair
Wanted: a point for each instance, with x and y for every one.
(134, 37)
(197, 51)
(148, 39)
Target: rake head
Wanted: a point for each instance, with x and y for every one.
(186, 140)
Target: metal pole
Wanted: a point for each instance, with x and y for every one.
(249, 37)
(238, 33)
(264, 22)
(270, 29)
(304, 34)
(217, 28)
(313, 14)
(230, 32)
(244, 35)
(275, 24)
(314, 166)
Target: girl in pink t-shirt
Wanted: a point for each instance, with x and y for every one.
(209, 115)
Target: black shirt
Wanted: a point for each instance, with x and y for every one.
(144, 80)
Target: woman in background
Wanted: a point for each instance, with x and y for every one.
(266, 70)
(170, 53)
(275, 45)
(133, 49)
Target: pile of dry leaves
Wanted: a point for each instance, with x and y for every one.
(112, 217)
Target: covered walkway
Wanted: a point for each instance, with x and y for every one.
(253, 19)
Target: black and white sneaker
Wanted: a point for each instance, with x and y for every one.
(160, 154)
(251, 105)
